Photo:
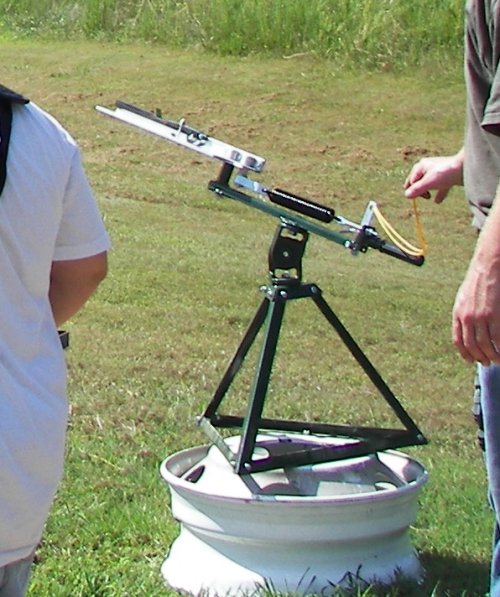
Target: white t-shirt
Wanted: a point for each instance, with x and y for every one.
(47, 213)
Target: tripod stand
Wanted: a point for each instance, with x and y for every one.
(285, 266)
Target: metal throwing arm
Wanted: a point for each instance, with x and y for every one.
(182, 134)
(357, 237)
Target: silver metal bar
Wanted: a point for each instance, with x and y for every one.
(194, 140)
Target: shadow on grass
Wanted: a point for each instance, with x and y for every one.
(451, 576)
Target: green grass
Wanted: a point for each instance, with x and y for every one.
(374, 33)
(185, 270)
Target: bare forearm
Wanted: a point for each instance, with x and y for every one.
(488, 244)
(476, 314)
(66, 300)
(72, 283)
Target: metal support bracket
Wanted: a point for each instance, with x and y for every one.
(285, 257)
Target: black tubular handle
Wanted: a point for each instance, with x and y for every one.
(367, 238)
(301, 205)
(399, 254)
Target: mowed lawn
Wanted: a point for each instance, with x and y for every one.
(185, 270)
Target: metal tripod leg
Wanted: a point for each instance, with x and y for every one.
(271, 312)
(367, 366)
(237, 360)
(260, 384)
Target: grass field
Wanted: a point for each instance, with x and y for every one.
(184, 276)
(350, 32)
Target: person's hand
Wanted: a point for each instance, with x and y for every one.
(476, 314)
(438, 174)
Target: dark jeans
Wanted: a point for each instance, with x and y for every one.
(14, 577)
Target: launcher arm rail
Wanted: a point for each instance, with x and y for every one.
(357, 237)
(183, 135)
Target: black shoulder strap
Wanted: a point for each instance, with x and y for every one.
(7, 98)
(12, 96)
(5, 127)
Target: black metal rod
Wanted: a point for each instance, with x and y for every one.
(366, 365)
(317, 455)
(260, 384)
(346, 431)
(238, 358)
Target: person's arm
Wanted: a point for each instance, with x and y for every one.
(438, 174)
(72, 282)
(476, 314)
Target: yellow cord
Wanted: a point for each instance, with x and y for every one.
(398, 240)
(420, 228)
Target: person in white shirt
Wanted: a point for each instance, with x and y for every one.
(53, 255)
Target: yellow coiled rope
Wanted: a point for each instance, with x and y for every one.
(398, 240)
